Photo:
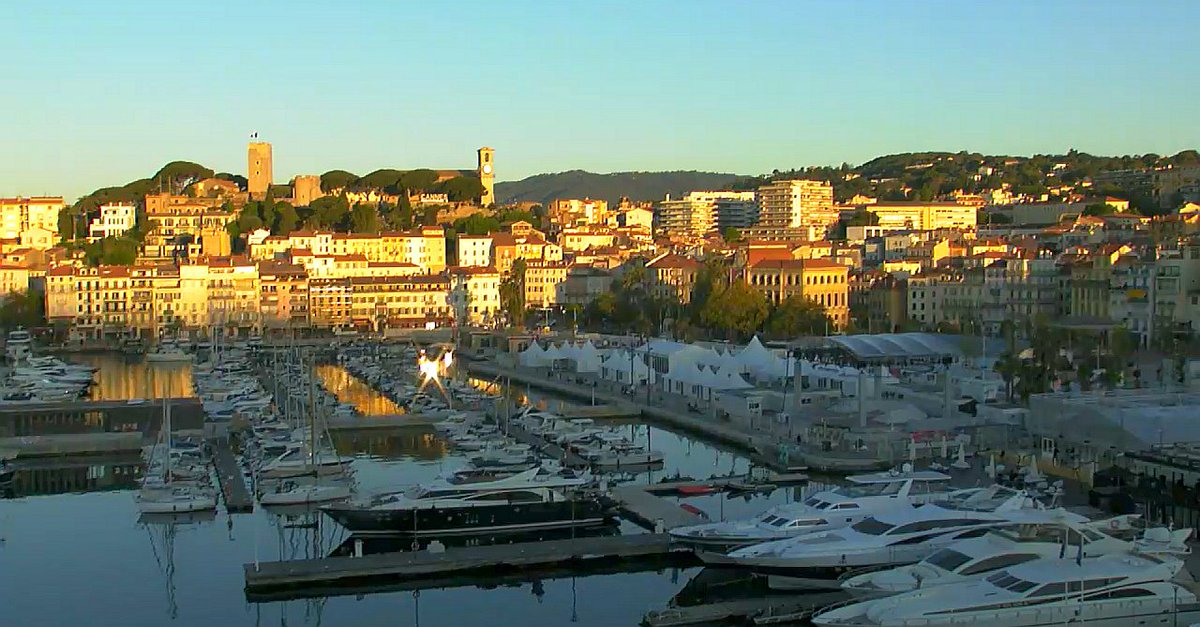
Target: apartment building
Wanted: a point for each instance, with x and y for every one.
(284, 295)
(186, 230)
(568, 213)
(923, 216)
(821, 281)
(583, 284)
(673, 276)
(475, 295)
(91, 303)
(796, 204)
(115, 219)
(684, 218)
(30, 222)
(424, 247)
(583, 238)
(542, 281)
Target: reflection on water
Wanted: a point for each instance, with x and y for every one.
(406, 442)
(349, 389)
(58, 476)
(121, 378)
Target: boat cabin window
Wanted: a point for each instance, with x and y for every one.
(1055, 588)
(997, 562)
(872, 527)
(846, 506)
(930, 525)
(948, 559)
(1122, 593)
(1092, 536)
(816, 503)
(807, 522)
(858, 490)
(1004, 580)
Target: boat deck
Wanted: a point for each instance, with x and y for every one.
(233, 484)
(649, 511)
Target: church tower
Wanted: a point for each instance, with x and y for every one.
(487, 176)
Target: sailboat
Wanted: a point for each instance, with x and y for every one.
(315, 484)
(161, 493)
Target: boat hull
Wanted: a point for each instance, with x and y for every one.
(473, 520)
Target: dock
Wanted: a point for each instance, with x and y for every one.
(72, 445)
(599, 412)
(652, 512)
(425, 569)
(390, 421)
(779, 480)
(233, 484)
(761, 611)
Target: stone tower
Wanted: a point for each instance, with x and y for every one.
(258, 169)
(487, 176)
(305, 189)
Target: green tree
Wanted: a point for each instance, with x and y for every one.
(862, 217)
(797, 316)
(336, 180)
(462, 188)
(286, 219)
(363, 219)
(111, 251)
(736, 309)
(23, 309)
(416, 181)
(512, 294)
(327, 212)
(1098, 209)
(178, 175)
(731, 235)
(477, 224)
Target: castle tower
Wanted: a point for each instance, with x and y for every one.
(305, 189)
(258, 169)
(487, 176)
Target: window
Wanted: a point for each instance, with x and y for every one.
(948, 559)
(996, 563)
(872, 526)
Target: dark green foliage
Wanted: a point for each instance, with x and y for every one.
(112, 251)
(364, 219)
(336, 179)
(177, 175)
(462, 188)
(23, 309)
(543, 188)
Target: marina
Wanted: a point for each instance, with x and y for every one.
(313, 437)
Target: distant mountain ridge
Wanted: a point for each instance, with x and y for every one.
(543, 188)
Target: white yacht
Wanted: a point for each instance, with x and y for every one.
(1108, 591)
(18, 345)
(866, 495)
(299, 461)
(899, 536)
(168, 351)
(1003, 548)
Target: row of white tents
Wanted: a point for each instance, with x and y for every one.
(690, 369)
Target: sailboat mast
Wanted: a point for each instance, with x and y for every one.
(312, 414)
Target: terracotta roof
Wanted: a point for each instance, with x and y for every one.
(798, 264)
(672, 260)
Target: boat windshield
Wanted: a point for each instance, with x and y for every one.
(781, 521)
(872, 527)
(947, 559)
(860, 490)
(816, 503)
(1004, 580)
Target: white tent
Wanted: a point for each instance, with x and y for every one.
(533, 357)
(587, 358)
(553, 353)
(618, 364)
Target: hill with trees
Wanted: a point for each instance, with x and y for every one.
(544, 188)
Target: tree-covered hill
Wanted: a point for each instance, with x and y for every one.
(543, 188)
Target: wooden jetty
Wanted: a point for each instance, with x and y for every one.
(233, 484)
(424, 569)
(652, 512)
(727, 484)
(390, 421)
(793, 607)
(72, 444)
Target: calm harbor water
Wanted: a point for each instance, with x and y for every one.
(72, 551)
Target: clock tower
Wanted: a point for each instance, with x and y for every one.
(487, 176)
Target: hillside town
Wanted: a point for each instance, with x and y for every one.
(229, 256)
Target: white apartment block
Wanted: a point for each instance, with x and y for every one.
(114, 220)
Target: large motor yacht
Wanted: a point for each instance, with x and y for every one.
(526, 501)
(900, 536)
(866, 495)
(1002, 548)
(1108, 591)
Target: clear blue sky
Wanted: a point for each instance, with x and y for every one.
(100, 93)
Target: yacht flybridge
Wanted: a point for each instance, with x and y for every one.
(1108, 591)
(1002, 548)
(527, 501)
(900, 536)
(866, 495)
